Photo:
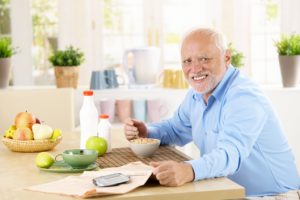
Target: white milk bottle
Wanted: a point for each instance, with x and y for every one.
(104, 130)
(88, 118)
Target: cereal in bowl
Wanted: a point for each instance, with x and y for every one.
(144, 141)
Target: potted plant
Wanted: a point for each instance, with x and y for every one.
(288, 48)
(237, 57)
(6, 52)
(66, 66)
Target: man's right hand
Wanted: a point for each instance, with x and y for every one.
(134, 128)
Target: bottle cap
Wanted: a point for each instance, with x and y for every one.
(104, 116)
(88, 93)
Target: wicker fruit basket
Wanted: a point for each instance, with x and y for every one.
(30, 145)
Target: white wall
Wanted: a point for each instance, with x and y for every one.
(290, 16)
(286, 103)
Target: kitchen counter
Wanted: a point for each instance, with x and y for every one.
(18, 171)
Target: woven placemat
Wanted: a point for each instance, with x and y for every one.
(121, 156)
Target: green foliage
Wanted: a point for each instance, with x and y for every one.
(68, 57)
(237, 57)
(6, 49)
(288, 45)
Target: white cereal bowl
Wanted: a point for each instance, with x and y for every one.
(144, 147)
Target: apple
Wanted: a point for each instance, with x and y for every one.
(41, 131)
(37, 121)
(25, 119)
(98, 144)
(44, 160)
(23, 133)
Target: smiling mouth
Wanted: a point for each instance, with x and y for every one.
(199, 77)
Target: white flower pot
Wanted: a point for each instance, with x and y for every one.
(289, 67)
(4, 72)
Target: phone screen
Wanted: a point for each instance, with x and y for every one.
(111, 180)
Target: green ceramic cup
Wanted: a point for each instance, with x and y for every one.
(78, 158)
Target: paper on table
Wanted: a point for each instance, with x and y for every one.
(83, 187)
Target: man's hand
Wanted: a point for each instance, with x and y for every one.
(171, 173)
(134, 129)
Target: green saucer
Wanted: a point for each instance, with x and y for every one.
(62, 167)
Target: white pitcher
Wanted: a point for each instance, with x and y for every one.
(142, 65)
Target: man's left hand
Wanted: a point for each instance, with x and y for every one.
(171, 173)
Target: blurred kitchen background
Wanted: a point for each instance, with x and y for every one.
(104, 29)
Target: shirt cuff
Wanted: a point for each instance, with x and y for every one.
(199, 168)
(153, 132)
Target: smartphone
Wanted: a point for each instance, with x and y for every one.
(111, 180)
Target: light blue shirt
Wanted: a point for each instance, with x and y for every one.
(238, 134)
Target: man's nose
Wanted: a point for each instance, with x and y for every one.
(196, 66)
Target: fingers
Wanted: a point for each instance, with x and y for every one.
(129, 122)
(154, 164)
(130, 130)
(131, 135)
(159, 166)
(171, 173)
(162, 173)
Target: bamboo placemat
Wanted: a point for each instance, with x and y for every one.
(121, 156)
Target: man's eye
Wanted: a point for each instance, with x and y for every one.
(187, 61)
(203, 59)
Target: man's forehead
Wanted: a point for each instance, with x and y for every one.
(203, 45)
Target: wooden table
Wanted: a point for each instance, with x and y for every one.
(19, 171)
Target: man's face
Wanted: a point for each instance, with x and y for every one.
(203, 64)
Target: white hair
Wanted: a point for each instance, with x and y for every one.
(218, 37)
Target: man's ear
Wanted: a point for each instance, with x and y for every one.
(227, 56)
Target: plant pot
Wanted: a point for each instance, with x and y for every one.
(66, 76)
(289, 67)
(4, 72)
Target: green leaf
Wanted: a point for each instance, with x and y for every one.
(237, 57)
(288, 45)
(68, 57)
(6, 49)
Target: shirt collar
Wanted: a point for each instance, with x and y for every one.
(220, 89)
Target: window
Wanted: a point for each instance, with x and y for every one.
(265, 29)
(44, 27)
(130, 23)
(179, 16)
(122, 28)
(106, 28)
(5, 28)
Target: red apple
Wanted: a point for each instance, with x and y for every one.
(23, 133)
(38, 121)
(25, 119)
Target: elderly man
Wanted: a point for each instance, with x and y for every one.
(228, 118)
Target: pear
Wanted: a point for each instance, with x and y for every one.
(41, 131)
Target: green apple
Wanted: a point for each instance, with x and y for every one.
(44, 160)
(41, 131)
(98, 144)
